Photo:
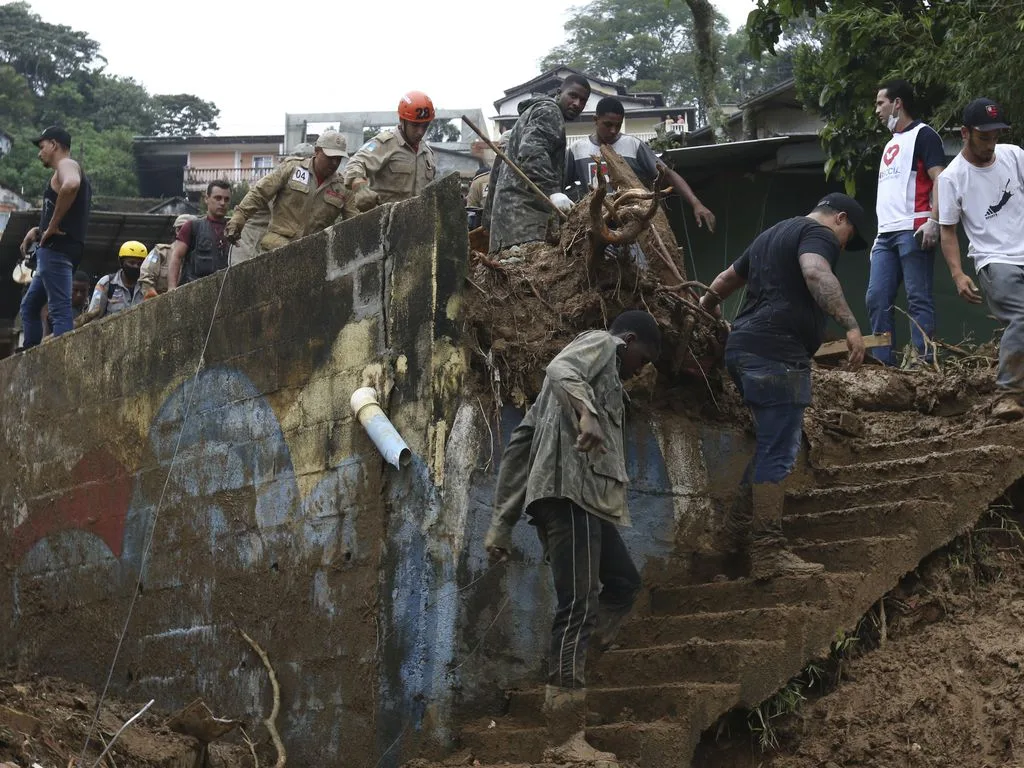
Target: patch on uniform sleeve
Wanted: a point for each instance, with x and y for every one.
(151, 259)
(301, 175)
(370, 145)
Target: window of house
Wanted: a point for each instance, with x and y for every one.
(263, 161)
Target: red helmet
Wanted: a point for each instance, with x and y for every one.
(416, 107)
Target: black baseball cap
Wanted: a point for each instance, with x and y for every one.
(985, 115)
(54, 133)
(862, 234)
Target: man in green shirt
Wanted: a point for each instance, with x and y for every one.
(565, 467)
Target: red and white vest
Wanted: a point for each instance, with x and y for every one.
(904, 190)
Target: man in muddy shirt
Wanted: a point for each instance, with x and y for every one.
(564, 466)
(791, 290)
(536, 144)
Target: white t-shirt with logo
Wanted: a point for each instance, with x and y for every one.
(990, 203)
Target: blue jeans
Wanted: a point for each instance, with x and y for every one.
(777, 394)
(896, 258)
(50, 286)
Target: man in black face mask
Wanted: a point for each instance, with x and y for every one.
(120, 290)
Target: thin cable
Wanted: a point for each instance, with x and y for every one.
(156, 517)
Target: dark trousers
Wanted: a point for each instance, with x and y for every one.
(584, 552)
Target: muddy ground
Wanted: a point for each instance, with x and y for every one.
(44, 722)
(945, 691)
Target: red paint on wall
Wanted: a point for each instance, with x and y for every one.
(97, 503)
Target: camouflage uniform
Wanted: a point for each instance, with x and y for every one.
(537, 145)
(298, 206)
(248, 246)
(395, 171)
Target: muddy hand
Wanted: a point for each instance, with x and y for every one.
(590, 436)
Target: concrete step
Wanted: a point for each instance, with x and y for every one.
(867, 520)
(1003, 434)
(613, 704)
(762, 623)
(741, 594)
(854, 555)
(698, 661)
(959, 460)
(937, 487)
(659, 744)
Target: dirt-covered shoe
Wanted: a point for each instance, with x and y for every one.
(772, 562)
(576, 749)
(1008, 408)
(565, 713)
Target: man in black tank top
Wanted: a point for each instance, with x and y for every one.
(67, 200)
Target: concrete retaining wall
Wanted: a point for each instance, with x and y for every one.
(367, 586)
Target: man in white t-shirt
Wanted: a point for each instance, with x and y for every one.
(903, 251)
(581, 169)
(983, 188)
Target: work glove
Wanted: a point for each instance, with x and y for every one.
(233, 229)
(561, 201)
(365, 198)
(928, 234)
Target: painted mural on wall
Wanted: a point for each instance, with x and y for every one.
(449, 628)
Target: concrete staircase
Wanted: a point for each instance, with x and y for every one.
(704, 649)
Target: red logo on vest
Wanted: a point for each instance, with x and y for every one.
(890, 154)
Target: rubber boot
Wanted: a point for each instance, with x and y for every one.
(609, 623)
(769, 557)
(565, 713)
(738, 521)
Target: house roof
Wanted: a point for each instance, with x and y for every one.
(785, 88)
(553, 74)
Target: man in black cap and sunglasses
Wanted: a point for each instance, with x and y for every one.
(67, 200)
(791, 292)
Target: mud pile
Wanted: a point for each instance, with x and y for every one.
(613, 254)
(946, 689)
(44, 722)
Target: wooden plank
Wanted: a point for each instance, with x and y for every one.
(830, 348)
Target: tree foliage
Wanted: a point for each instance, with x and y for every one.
(443, 129)
(952, 52)
(648, 45)
(52, 74)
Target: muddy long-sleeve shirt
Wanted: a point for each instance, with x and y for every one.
(541, 460)
(537, 145)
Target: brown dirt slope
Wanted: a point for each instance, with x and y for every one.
(945, 691)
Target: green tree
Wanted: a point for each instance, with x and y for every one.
(644, 44)
(443, 130)
(44, 54)
(121, 102)
(952, 52)
(16, 103)
(182, 114)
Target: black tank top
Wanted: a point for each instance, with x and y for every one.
(74, 223)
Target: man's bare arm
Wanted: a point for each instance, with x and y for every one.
(965, 286)
(826, 290)
(174, 262)
(727, 283)
(69, 180)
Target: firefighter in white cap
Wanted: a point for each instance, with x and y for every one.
(303, 195)
(397, 163)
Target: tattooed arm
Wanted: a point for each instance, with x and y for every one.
(824, 287)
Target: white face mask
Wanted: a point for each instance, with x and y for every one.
(893, 120)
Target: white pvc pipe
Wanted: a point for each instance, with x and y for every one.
(379, 427)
